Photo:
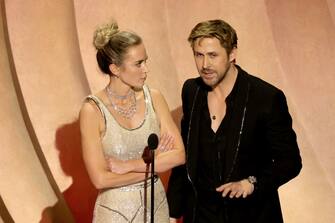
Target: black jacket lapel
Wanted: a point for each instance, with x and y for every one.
(236, 124)
(198, 99)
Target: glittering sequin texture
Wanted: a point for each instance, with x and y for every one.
(129, 203)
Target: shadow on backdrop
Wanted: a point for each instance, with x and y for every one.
(81, 195)
(55, 214)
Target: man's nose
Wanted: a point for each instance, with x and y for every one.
(205, 62)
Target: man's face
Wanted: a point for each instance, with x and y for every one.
(212, 60)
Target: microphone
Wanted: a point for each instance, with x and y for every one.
(148, 150)
(153, 141)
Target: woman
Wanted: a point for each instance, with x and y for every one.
(115, 124)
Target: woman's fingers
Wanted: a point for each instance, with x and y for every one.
(165, 143)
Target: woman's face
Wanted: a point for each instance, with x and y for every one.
(133, 70)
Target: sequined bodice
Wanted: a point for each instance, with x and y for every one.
(124, 143)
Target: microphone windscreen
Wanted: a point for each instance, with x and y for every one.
(152, 141)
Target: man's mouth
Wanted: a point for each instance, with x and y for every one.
(207, 72)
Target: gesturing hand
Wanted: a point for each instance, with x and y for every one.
(236, 189)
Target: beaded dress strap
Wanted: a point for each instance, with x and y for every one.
(99, 104)
(147, 96)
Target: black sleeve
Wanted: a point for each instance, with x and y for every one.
(282, 146)
(176, 192)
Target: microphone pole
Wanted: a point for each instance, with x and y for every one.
(152, 186)
(152, 144)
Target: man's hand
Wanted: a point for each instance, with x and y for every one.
(236, 189)
(173, 220)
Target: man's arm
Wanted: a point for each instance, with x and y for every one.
(283, 151)
(176, 192)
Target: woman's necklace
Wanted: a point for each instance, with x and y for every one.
(127, 111)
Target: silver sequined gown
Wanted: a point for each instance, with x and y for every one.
(129, 203)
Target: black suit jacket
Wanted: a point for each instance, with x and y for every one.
(261, 143)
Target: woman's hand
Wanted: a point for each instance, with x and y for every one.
(125, 166)
(119, 166)
(166, 143)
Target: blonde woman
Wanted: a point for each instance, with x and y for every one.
(115, 124)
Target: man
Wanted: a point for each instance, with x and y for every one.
(238, 136)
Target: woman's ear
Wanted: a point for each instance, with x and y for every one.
(114, 69)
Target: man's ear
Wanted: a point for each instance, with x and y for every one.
(114, 69)
(233, 55)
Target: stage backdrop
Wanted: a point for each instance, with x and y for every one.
(48, 66)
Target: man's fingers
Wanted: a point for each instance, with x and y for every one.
(245, 194)
(239, 193)
(226, 190)
(233, 189)
(222, 187)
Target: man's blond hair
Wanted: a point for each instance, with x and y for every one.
(215, 29)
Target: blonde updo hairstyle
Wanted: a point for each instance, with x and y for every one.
(112, 45)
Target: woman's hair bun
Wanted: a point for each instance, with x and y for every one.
(104, 33)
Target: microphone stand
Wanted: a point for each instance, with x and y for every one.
(152, 145)
(152, 186)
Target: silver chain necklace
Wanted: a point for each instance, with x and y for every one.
(128, 111)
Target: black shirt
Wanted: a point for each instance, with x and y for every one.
(211, 146)
(210, 163)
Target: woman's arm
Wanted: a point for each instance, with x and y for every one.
(91, 124)
(175, 156)
(164, 160)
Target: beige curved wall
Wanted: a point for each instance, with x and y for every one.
(48, 65)
(24, 186)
